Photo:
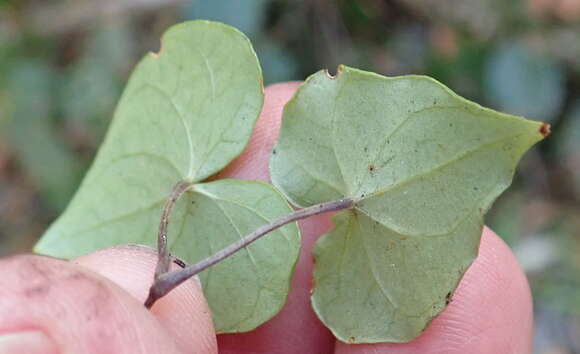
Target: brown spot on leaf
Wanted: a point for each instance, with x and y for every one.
(371, 168)
(352, 340)
(545, 129)
(448, 298)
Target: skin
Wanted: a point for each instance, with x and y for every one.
(93, 304)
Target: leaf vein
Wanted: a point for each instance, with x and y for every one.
(441, 166)
(183, 123)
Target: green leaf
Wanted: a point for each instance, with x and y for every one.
(250, 287)
(422, 164)
(377, 285)
(185, 114)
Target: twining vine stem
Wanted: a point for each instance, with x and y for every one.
(164, 260)
(167, 281)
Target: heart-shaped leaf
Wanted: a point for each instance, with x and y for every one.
(422, 164)
(185, 114)
(250, 287)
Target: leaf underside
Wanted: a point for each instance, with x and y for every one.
(185, 114)
(423, 166)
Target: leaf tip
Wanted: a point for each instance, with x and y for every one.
(545, 129)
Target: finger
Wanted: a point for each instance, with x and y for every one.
(254, 161)
(491, 311)
(296, 329)
(183, 313)
(52, 306)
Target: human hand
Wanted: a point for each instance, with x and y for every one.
(94, 304)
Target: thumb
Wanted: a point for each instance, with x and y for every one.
(183, 312)
(52, 306)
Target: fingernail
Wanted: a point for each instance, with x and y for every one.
(30, 342)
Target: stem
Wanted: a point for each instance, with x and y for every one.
(164, 259)
(166, 282)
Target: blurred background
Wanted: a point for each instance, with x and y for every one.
(63, 65)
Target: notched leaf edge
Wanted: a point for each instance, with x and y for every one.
(339, 70)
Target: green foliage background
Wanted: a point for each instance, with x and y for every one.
(63, 65)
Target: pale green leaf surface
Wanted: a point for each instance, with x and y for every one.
(422, 165)
(375, 285)
(251, 286)
(185, 114)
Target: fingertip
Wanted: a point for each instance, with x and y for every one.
(75, 309)
(183, 312)
(491, 311)
(129, 266)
